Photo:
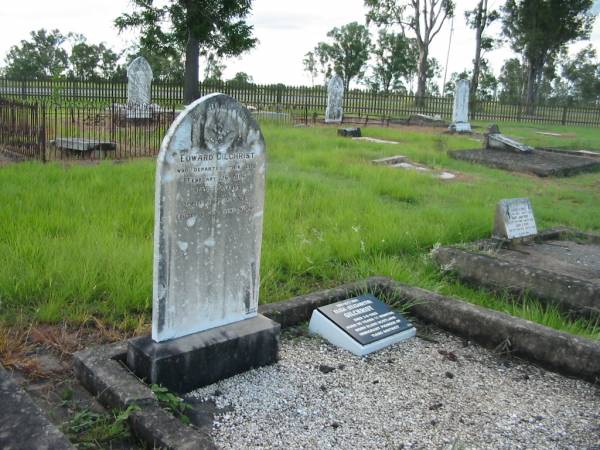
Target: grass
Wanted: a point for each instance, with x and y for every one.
(76, 241)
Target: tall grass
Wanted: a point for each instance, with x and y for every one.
(76, 240)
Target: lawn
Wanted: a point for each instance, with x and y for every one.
(76, 240)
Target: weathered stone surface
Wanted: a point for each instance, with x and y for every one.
(335, 99)
(460, 110)
(139, 82)
(209, 211)
(349, 132)
(425, 120)
(203, 358)
(560, 268)
(23, 425)
(514, 219)
(542, 163)
(500, 142)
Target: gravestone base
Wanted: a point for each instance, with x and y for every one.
(203, 358)
(349, 132)
(460, 127)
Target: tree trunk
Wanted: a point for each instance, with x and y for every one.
(480, 25)
(421, 76)
(192, 71)
(531, 88)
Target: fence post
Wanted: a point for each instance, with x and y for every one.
(42, 130)
(564, 115)
(23, 90)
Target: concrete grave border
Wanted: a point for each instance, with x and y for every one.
(480, 156)
(102, 371)
(477, 264)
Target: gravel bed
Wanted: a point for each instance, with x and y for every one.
(437, 392)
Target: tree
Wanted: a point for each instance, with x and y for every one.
(213, 71)
(241, 79)
(41, 57)
(423, 17)
(512, 82)
(348, 53)
(479, 19)
(539, 28)
(311, 66)
(395, 60)
(91, 61)
(582, 76)
(197, 27)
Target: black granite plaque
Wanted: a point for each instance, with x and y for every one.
(366, 318)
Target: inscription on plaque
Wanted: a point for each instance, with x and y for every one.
(209, 209)
(514, 219)
(366, 318)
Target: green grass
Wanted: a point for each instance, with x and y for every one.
(77, 241)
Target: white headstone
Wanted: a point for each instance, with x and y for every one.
(514, 219)
(335, 99)
(209, 210)
(139, 82)
(460, 110)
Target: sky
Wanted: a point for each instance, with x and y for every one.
(286, 30)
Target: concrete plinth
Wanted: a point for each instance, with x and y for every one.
(200, 359)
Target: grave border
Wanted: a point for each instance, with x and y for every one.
(103, 372)
(476, 264)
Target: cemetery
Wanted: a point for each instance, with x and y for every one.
(222, 271)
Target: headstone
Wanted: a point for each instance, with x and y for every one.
(139, 82)
(335, 99)
(460, 110)
(514, 219)
(210, 183)
(349, 132)
(361, 325)
(498, 141)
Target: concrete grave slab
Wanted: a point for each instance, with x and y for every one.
(539, 162)
(23, 425)
(374, 140)
(559, 266)
(402, 162)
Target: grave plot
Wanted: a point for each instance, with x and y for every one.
(560, 266)
(402, 162)
(504, 153)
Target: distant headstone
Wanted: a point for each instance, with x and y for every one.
(335, 99)
(349, 132)
(210, 185)
(361, 325)
(210, 182)
(139, 82)
(514, 219)
(460, 110)
(500, 142)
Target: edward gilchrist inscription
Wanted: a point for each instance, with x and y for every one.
(208, 227)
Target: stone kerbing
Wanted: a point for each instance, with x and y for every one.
(101, 372)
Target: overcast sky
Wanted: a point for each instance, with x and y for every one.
(286, 30)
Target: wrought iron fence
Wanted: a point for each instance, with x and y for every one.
(303, 101)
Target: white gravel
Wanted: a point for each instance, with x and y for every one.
(416, 394)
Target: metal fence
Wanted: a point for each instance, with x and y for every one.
(51, 132)
(302, 101)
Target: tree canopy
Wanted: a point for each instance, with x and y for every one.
(43, 56)
(538, 29)
(193, 27)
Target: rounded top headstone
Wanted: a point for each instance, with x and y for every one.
(139, 65)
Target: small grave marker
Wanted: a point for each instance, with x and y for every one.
(514, 219)
(361, 325)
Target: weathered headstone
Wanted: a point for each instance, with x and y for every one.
(139, 82)
(361, 325)
(210, 182)
(460, 110)
(335, 99)
(349, 132)
(514, 219)
(500, 142)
